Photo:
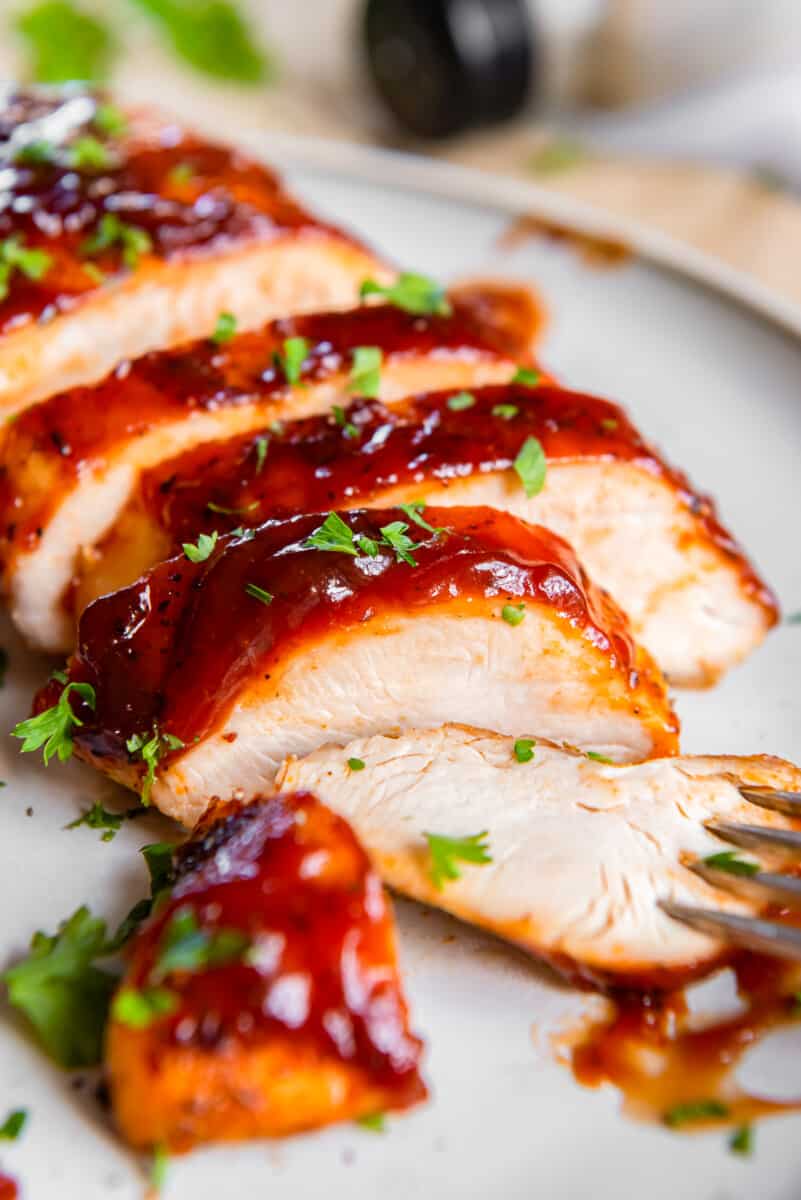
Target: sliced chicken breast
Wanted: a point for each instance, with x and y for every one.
(316, 630)
(578, 852)
(264, 997)
(128, 233)
(70, 463)
(636, 524)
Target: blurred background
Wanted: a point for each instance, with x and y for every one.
(683, 115)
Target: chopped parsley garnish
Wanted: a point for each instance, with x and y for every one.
(461, 401)
(110, 232)
(52, 729)
(609, 423)
(445, 852)
(231, 512)
(159, 1166)
(742, 1141)
(527, 376)
(63, 995)
(246, 535)
(395, 535)
(347, 427)
(140, 1007)
(185, 946)
(225, 328)
(93, 271)
(198, 552)
(375, 1122)
(557, 155)
(694, 1110)
(413, 293)
(356, 764)
(110, 120)
(151, 748)
(14, 256)
(13, 1125)
(212, 37)
(505, 411)
(333, 535)
(414, 510)
(98, 817)
(87, 153)
(258, 593)
(64, 42)
(365, 375)
(730, 862)
(36, 153)
(513, 614)
(601, 758)
(524, 749)
(181, 174)
(530, 466)
(296, 351)
(158, 858)
(262, 445)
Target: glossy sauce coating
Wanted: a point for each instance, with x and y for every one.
(323, 462)
(187, 195)
(320, 966)
(177, 646)
(8, 1187)
(64, 436)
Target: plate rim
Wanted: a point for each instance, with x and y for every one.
(474, 186)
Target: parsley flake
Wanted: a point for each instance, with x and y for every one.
(413, 293)
(414, 510)
(524, 749)
(334, 535)
(365, 375)
(52, 729)
(225, 328)
(13, 1125)
(110, 232)
(530, 466)
(348, 428)
(138, 1008)
(198, 552)
(258, 593)
(527, 376)
(37, 152)
(14, 256)
(461, 401)
(609, 424)
(110, 119)
(181, 174)
(186, 946)
(374, 1122)
(262, 445)
(89, 154)
(694, 1110)
(730, 862)
(62, 993)
(445, 852)
(396, 537)
(601, 758)
(65, 43)
(505, 411)
(356, 764)
(296, 351)
(212, 506)
(98, 817)
(159, 1167)
(742, 1141)
(151, 748)
(513, 614)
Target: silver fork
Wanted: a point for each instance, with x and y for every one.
(763, 887)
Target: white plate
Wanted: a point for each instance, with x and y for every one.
(714, 380)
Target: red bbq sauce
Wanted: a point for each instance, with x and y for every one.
(9, 1189)
(188, 196)
(324, 462)
(176, 647)
(315, 963)
(64, 436)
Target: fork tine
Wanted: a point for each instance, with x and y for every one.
(757, 837)
(754, 933)
(763, 886)
(788, 803)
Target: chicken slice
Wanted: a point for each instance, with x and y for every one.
(264, 997)
(274, 646)
(581, 851)
(132, 234)
(636, 524)
(72, 462)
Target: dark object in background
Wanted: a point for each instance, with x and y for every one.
(443, 66)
